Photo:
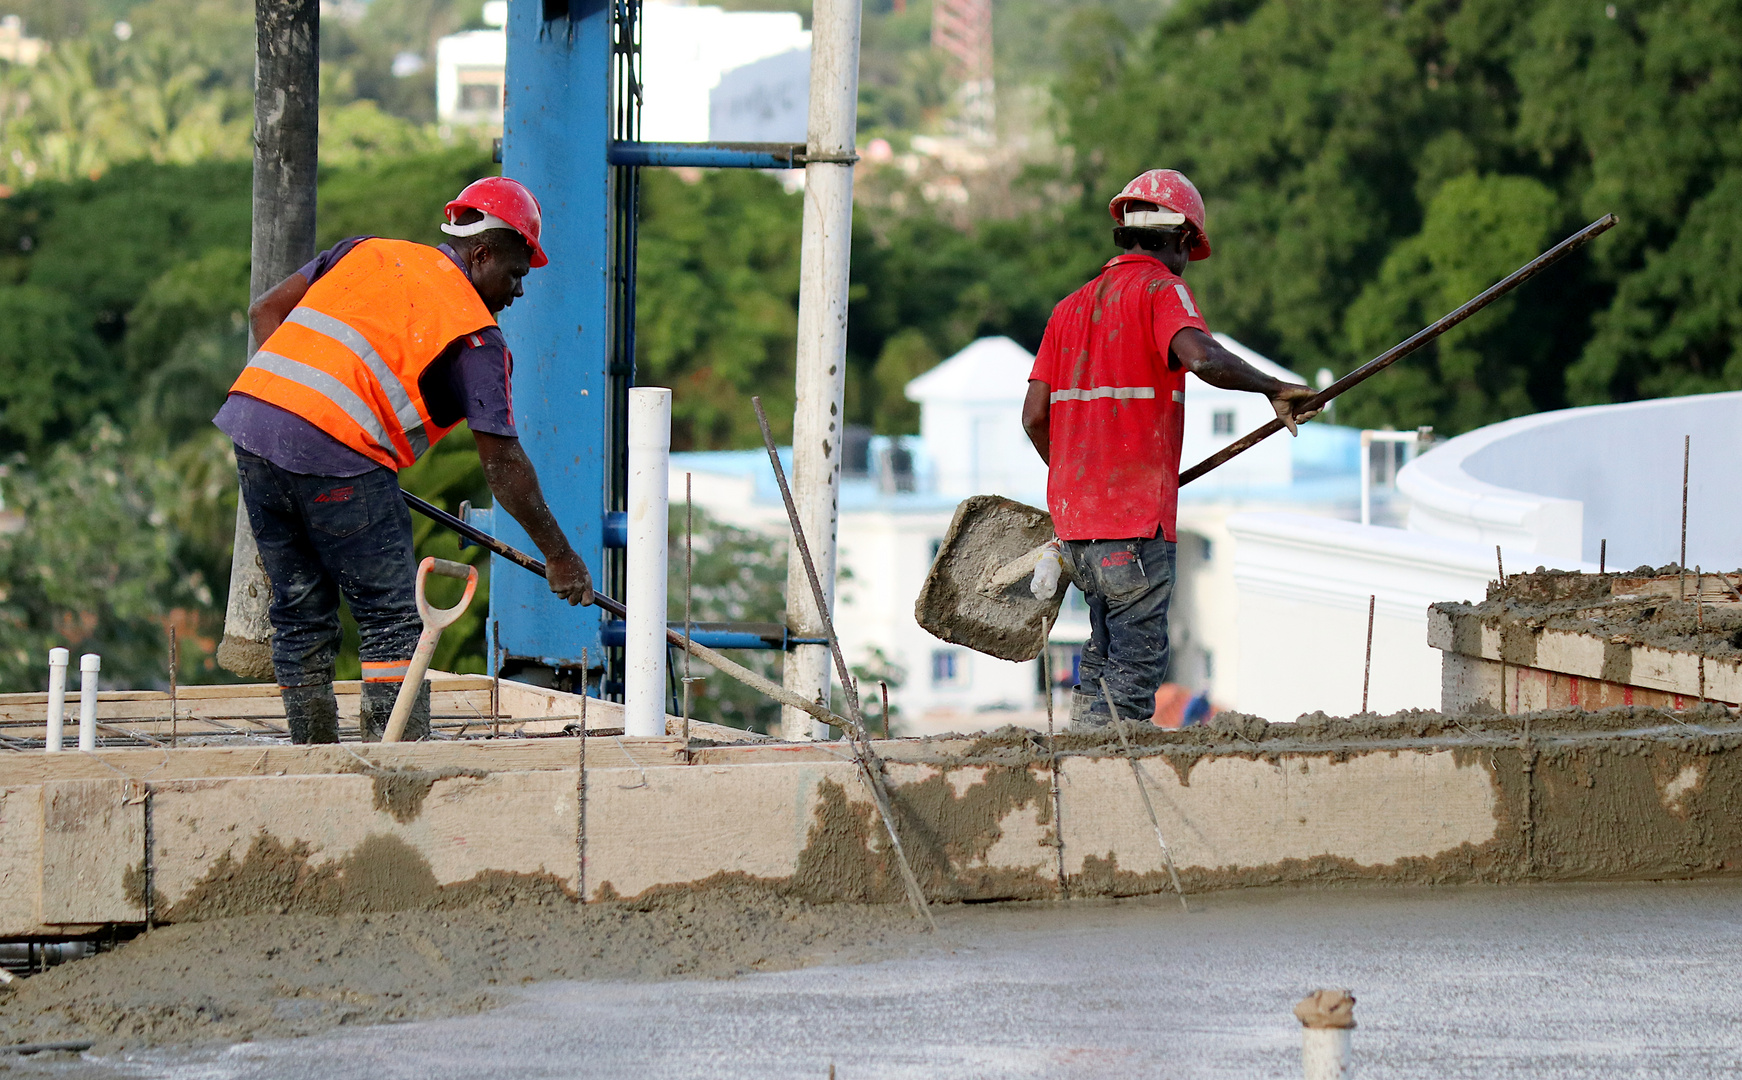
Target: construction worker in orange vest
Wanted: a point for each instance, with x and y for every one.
(1106, 410)
(368, 355)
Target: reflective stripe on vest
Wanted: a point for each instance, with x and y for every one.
(1119, 393)
(409, 421)
(328, 387)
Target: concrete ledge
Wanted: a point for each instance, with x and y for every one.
(1415, 799)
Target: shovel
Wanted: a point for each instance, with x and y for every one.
(435, 620)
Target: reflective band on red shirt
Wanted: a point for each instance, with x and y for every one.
(1122, 393)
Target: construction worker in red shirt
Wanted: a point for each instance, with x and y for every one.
(368, 355)
(1105, 409)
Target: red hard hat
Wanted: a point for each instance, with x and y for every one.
(508, 203)
(1170, 190)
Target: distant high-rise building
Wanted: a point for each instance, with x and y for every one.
(962, 29)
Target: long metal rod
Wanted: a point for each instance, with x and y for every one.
(1422, 337)
(699, 651)
(869, 763)
(1143, 790)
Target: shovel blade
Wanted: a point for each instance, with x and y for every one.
(987, 533)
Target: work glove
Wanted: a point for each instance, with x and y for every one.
(1048, 567)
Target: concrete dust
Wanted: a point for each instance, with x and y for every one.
(259, 976)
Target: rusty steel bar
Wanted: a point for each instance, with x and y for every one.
(1422, 337)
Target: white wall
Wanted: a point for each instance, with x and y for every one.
(1303, 584)
(767, 101)
(685, 50)
(1559, 483)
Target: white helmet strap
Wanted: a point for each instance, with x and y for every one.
(1154, 219)
(488, 221)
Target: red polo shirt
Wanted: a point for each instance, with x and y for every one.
(1118, 401)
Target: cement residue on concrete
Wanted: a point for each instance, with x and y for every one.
(1595, 604)
(245, 978)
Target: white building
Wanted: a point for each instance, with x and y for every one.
(471, 70)
(1554, 489)
(894, 512)
(685, 52)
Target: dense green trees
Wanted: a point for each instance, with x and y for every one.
(1367, 163)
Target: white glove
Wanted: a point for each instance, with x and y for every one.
(1045, 583)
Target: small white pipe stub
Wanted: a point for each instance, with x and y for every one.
(89, 665)
(57, 698)
(644, 633)
(1327, 1017)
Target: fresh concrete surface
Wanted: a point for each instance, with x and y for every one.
(1538, 981)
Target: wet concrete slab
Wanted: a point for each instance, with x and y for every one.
(1542, 981)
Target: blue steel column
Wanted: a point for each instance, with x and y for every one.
(555, 139)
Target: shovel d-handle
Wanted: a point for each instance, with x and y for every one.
(435, 620)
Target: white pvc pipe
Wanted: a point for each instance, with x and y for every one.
(1324, 1054)
(57, 698)
(644, 644)
(89, 665)
(824, 254)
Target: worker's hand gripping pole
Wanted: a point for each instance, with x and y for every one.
(435, 620)
(1397, 352)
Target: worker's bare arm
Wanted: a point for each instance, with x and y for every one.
(1204, 356)
(275, 305)
(514, 482)
(1037, 418)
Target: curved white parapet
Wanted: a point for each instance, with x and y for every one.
(1558, 484)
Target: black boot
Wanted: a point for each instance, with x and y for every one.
(377, 709)
(313, 713)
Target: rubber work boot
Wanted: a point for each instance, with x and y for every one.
(313, 713)
(377, 709)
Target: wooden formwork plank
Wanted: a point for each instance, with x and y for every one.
(93, 849)
(238, 845)
(20, 859)
(1371, 809)
(487, 755)
(670, 826)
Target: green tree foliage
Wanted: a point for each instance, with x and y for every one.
(717, 302)
(739, 576)
(1368, 164)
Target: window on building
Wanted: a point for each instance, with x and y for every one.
(1209, 665)
(480, 97)
(935, 546)
(1222, 422)
(1206, 550)
(945, 667)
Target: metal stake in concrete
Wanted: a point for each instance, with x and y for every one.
(1143, 790)
(1682, 563)
(1326, 1017)
(645, 628)
(689, 571)
(1367, 672)
(821, 361)
(866, 757)
(57, 698)
(1603, 556)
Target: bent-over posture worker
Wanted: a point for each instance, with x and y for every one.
(368, 355)
(1105, 408)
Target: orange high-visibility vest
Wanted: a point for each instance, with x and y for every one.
(349, 357)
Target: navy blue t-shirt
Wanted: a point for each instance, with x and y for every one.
(471, 380)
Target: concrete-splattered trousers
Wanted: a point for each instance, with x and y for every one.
(1128, 584)
(320, 537)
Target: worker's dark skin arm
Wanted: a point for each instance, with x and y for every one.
(266, 314)
(1204, 356)
(515, 485)
(1037, 418)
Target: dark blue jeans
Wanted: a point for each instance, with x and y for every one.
(1128, 584)
(322, 536)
